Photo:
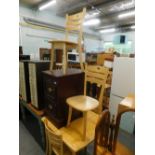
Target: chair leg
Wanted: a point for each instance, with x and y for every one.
(50, 149)
(69, 115)
(47, 146)
(64, 65)
(52, 58)
(85, 124)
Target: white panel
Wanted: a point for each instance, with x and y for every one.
(113, 106)
(123, 80)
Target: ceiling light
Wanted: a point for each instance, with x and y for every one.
(46, 5)
(108, 30)
(89, 15)
(91, 22)
(126, 14)
(133, 27)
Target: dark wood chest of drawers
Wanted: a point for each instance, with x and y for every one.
(58, 87)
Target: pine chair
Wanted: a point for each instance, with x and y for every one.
(73, 23)
(94, 75)
(54, 142)
(102, 131)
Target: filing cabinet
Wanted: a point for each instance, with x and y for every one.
(57, 88)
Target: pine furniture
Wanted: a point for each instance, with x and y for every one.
(73, 23)
(96, 75)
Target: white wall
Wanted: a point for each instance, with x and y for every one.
(130, 35)
(34, 37)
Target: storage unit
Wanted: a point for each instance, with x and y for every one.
(57, 87)
(24, 87)
(36, 82)
(31, 118)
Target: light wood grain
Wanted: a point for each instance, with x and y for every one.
(54, 142)
(36, 111)
(120, 150)
(82, 103)
(127, 103)
(73, 23)
(96, 74)
(72, 135)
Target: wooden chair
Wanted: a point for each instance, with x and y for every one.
(54, 142)
(102, 134)
(95, 75)
(72, 135)
(73, 23)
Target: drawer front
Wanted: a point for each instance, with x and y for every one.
(51, 105)
(33, 85)
(50, 87)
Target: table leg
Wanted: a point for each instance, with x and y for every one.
(52, 58)
(64, 63)
(84, 124)
(69, 115)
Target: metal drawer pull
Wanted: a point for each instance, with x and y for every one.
(50, 107)
(50, 89)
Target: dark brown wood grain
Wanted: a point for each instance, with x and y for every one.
(57, 88)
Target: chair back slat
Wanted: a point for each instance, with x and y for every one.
(74, 22)
(54, 139)
(96, 75)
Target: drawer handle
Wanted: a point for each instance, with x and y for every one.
(50, 107)
(50, 89)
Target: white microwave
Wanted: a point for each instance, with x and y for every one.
(74, 57)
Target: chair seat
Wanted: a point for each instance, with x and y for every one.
(120, 150)
(63, 41)
(82, 103)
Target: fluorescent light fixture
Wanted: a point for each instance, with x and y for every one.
(91, 22)
(89, 15)
(46, 5)
(108, 30)
(133, 27)
(126, 14)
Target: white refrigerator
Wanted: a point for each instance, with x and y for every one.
(123, 83)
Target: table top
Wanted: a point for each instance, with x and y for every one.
(82, 103)
(127, 103)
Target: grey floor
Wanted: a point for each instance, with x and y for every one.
(28, 146)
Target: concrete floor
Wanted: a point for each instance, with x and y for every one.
(28, 146)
